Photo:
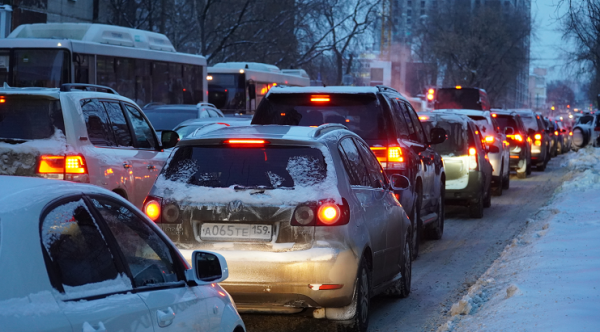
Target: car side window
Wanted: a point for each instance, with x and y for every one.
(77, 251)
(97, 123)
(420, 134)
(119, 124)
(412, 134)
(142, 130)
(375, 171)
(356, 167)
(213, 114)
(147, 255)
(496, 125)
(399, 120)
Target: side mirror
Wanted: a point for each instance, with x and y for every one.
(438, 135)
(169, 139)
(399, 182)
(207, 267)
(530, 132)
(509, 131)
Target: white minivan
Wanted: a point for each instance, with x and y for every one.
(81, 133)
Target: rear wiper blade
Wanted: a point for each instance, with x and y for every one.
(12, 140)
(238, 187)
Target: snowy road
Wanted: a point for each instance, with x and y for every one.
(445, 269)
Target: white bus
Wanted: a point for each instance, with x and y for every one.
(141, 65)
(238, 87)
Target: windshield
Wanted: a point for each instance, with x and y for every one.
(530, 122)
(360, 113)
(452, 98)
(168, 119)
(26, 117)
(456, 144)
(227, 91)
(36, 67)
(251, 167)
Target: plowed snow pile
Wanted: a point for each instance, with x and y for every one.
(548, 279)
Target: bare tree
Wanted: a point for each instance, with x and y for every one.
(581, 24)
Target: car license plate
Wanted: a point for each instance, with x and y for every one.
(213, 231)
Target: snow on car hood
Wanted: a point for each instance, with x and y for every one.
(22, 158)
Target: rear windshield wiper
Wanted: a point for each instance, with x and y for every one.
(238, 187)
(12, 140)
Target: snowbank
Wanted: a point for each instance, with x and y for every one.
(548, 278)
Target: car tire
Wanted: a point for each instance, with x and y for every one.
(476, 208)
(506, 181)
(487, 200)
(436, 232)
(401, 288)
(362, 295)
(528, 171)
(415, 234)
(541, 167)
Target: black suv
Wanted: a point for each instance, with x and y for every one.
(388, 123)
(517, 136)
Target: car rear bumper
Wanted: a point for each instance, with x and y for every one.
(471, 192)
(280, 282)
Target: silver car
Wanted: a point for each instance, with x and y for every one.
(305, 217)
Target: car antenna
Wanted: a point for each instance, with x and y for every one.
(324, 85)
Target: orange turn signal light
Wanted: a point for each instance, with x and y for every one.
(329, 214)
(395, 154)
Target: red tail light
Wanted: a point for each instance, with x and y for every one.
(538, 137)
(570, 133)
(246, 141)
(72, 168)
(153, 208)
(490, 139)
(556, 132)
(325, 213)
(389, 158)
(473, 159)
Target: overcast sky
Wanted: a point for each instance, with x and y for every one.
(547, 42)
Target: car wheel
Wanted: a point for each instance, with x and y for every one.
(541, 167)
(506, 181)
(498, 189)
(476, 208)
(487, 200)
(362, 296)
(435, 233)
(415, 235)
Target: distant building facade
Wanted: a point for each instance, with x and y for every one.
(537, 89)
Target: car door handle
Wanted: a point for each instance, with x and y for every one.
(165, 318)
(126, 165)
(87, 327)
(151, 167)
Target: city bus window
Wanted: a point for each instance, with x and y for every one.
(143, 82)
(81, 63)
(124, 72)
(40, 68)
(105, 72)
(4, 63)
(160, 82)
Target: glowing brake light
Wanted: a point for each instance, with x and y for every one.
(518, 137)
(329, 214)
(246, 141)
(395, 154)
(472, 152)
(51, 165)
(489, 139)
(494, 115)
(152, 208)
(458, 87)
(75, 165)
(71, 168)
(538, 136)
(473, 158)
(423, 118)
(570, 133)
(320, 98)
(556, 132)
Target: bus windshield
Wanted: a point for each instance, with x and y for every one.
(227, 91)
(452, 98)
(35, 67)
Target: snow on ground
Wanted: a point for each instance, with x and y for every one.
(548, 279)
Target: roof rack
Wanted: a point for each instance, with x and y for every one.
(86, 87)
(385, 88)
(327, 127)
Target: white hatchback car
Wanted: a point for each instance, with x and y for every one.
(80, 258)
(74, 134)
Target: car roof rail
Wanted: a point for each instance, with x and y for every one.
(385, 88)
(70, 86)
(327, 127)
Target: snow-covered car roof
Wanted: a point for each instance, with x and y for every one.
(18, 192)
(434, 118)
(464, 112)
(503, 111)
(34, 91)
(281, 132)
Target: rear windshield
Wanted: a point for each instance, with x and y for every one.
(530, 122)
(252, 167)
(456, 144)
(451, 98)
(27, 117)
(586, 119)
(168, 119)
(482, 123)
(507, 121)
(360, 112)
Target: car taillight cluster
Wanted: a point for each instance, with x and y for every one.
(324, 213)
(473, 159)
(161, 213)
(390, 157)
(516, 137)
(538, 139)
(70, 168)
